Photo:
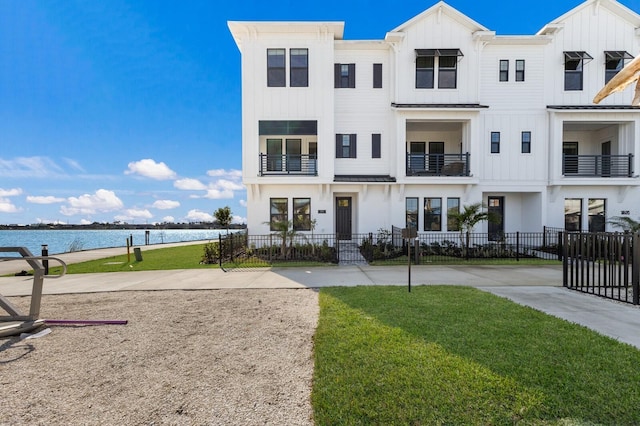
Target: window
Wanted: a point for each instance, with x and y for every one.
(573, 65)
(299, 72)
(412, 213)
(424, 72)
(377, 76)
(345, 76)
(276, 68)
(447, 72)
(375, 145)
(274, 155)
(453, 208)
(504, 70)
(278, 213)
(597, 214)
(614, 62)
(302, 214)
(526, 142)
(519, 69)
(433, 214)
(345, 146)
(495, 142)
(573, 214)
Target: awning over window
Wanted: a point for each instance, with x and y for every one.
(439, 52)
(617, 54)
(577, 55)
(288, 127)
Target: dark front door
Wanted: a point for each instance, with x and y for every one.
(417, 151)
(274, 155)
(436, 157)
(570, 155)
(294, 155)
(343, 218)
(606, 159)
(496, 209)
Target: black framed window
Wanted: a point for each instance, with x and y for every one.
(302, 214)
(519, 69)
(614, 62)
(376, 145)
(597, 214)
(279, 208)
(425, 72)
(377, 76)
(276, 65)
(447, 72)
(453, 208)
(433, 214)
(574, 63)
(495, 142)
(411, 207)
(504, 70)
(573, 214)
(526, 142)
(299, 63)
(345, 76)
(345, 146)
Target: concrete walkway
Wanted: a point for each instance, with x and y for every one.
(539, 287)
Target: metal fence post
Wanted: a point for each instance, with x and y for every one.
(518, 246)
(220, 250)
(562, 253)
(636, 269)
(337, 247)
(560, 248)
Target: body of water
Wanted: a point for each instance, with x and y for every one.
(63, 240)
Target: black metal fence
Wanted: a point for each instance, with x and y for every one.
(604, 264)
(380, 248)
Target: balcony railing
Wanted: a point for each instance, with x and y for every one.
(606, 166)
(300, 164)
(438, 164)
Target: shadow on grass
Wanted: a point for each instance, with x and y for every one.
(494, 361)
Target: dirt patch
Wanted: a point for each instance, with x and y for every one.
(185, 357)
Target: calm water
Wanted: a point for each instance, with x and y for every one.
(62, 241)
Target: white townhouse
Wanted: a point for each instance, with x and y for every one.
(360, 135)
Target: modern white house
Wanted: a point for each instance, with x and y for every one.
(442, 112)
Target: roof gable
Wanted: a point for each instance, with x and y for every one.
(437, 9)
(612, 5)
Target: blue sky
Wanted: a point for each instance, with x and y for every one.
(130, 110)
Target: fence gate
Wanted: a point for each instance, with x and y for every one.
(604, 264)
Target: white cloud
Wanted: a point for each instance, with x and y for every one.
(238, 219)
(228, 185)
(44, 199)
(139, 213)
(85, 222)
(189, 184)
(243, 203)
(31, 167)
(216, 194)
(168, 219)
(102, 201)
(165, 204)
(10, 192)
(6, 206)
(149, 168)
(51, 221)
(74, 164)
(231, 174)
(199, 216)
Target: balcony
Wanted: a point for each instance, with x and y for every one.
(438, 164)
(281, 164)
(603, 166)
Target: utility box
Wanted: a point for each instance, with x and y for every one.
(138, 253)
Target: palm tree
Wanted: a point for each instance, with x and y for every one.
(284, 230)
(626, 223)
(468, 218)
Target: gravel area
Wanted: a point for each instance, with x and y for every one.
(217, 357)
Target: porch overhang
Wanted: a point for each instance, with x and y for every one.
(364, 178)
(592, 107)
(465, 107)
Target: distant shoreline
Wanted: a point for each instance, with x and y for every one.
(109, 226)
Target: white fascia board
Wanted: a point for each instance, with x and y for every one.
(536, 40)
(243, 29)
(361, 45)
(442, 7)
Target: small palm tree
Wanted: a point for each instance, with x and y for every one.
(626, 223)
(284, 230)
(468, 218)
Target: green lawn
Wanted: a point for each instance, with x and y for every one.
(460, 356)
(449, 260)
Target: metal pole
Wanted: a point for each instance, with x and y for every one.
(636, 269)
(409, 257)
(45, 262)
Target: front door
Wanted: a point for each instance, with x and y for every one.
(274, 155)
(436, 157)
(606, 159)
(496, 209)
(343, 218)
(417, 151)
(294, 155)
(570, 155)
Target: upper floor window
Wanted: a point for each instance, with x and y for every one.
(526, 142)
(446, 60)
(276, 75)
(345, 76)
(377, 76)
(614, 62)
(504, 70)
(299, 72)
(345, 146)
(519, 69)
(495, 142)
(573, 66)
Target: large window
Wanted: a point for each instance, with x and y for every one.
(424, 72)
(519, 69)
(345, 146)
(573, 69)
(276, 75)
(504, 70)
(412, 213)
(453, 208)
(447, 72)
(345, 76)
(526, 142)
(597, 214)
(302, 214)
(495, 142)
(573, 214)
(279, 209)
(299, 63)
(614, 62)
(433, 214)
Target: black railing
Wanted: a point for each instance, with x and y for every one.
(605, 264)
(299, 164)
(606, 166)
(438, 164)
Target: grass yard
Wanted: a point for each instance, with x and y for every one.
(460, 356)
